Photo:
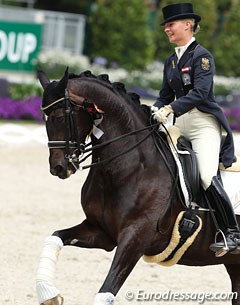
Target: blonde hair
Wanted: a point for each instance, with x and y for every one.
(195, 27)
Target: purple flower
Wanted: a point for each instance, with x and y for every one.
(233, 115)
(27, 109)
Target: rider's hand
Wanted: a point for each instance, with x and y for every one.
(154, 109)
(162, 114)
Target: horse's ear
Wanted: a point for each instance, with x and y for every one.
(44, 80)
(63, 81)
(66, 72)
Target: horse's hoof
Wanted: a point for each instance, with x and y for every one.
(58, 300)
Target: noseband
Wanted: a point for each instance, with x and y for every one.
(81, 148)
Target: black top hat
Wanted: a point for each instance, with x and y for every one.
(179, 11)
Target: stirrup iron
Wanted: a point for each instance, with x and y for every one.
(225, 249)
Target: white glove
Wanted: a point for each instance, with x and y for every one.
(154, 109)
(162, 114)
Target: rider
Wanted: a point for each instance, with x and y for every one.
(187, 92)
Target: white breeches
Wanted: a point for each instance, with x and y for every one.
(204, 132)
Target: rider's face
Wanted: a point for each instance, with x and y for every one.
(178, 31)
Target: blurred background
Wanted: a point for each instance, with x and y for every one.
(122, 38)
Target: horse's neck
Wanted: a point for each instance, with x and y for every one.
(116, 126)
(116, 135)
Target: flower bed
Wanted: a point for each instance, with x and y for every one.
(27, 109)
(233, 115)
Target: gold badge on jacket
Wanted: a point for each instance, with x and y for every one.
(205, 64)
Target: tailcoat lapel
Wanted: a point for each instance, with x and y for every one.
(175, 70)
(186, 55)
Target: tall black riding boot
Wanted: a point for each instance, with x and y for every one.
(226, 219)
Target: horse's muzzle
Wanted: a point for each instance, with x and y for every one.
(59, 164)
(62, 171)
(62, 165)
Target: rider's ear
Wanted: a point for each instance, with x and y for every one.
(44, 80)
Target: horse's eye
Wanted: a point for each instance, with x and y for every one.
(60, 119)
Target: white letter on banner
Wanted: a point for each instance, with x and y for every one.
(30, 45)
(15, 45)
(3, 44)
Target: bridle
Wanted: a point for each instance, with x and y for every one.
(71, 143)
(71, 134)
(79, 149)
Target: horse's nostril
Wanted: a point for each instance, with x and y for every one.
(56, 170)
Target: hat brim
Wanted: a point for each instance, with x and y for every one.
(180, 17)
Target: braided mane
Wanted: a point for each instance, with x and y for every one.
(116, 86)
(55, 90)
(132, 97)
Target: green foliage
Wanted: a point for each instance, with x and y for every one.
(221, 90)
(9, 2)
(120, 33)
(227, 44)
(71, 6)
(224, 5)
(22, 91)
(55, 62)
(206, 9)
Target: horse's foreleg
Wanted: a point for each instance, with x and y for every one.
(83, 235)
(234, 274)
(46, 270)
(131, 245)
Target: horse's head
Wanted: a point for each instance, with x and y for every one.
(67, 123)
(71, 106)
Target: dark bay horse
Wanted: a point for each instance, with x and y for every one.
(129, 184)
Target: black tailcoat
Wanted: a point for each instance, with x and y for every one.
(189, 84)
